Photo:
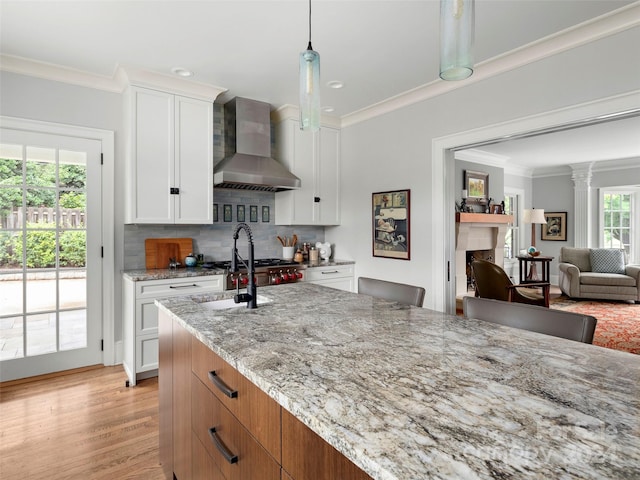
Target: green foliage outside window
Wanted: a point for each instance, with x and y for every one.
(41, 247)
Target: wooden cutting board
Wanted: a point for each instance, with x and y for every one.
(158, 251)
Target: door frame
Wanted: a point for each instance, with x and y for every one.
(443, 167)
(106, 137)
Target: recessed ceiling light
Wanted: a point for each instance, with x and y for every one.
(328, 109)
(335, 84)
(182, 72)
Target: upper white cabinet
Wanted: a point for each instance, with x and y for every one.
(315, 159)
(170, 158)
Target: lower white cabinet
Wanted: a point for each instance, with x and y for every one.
(140, 318)
(338, 276)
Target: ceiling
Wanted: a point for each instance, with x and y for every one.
(604, 141)
(377, 48)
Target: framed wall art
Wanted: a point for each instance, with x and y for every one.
(477, 186)
(253, 213)
(391, 222)
(227, 213)
(240, 213)
(556, 227)
(265, 214)
(215, 212)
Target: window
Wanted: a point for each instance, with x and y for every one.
(619, 221)
(513, 240)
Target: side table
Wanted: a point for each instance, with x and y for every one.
(532, 276)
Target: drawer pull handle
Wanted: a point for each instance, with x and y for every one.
(215, 379)
(329, 273)
(183, 286)
(229, 457)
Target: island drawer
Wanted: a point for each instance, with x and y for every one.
(258, 412)
(203, 466)
(233, 449)
(306, 456)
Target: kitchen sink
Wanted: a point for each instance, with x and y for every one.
(228, 303)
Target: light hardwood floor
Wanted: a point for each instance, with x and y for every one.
(81, 425)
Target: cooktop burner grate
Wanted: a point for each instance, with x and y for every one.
(261, 262)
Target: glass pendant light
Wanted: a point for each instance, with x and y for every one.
(457, 31)
(310, 86)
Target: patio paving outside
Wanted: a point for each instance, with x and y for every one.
(41, 327)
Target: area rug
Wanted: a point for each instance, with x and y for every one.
(618, 324)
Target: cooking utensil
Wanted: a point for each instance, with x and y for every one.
(281, 240)
(294, 240)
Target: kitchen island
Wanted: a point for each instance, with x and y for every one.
(409, 393)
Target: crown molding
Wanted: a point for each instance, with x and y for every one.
(58, 73)
(479, 156)
(581, 34)
(493, 160)
(292, 112)
(597, 166)
(117, 83)
(128, 75)
(617, 164)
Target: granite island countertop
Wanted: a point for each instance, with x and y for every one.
(409, 393)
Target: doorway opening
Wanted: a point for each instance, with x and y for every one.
(444, 166)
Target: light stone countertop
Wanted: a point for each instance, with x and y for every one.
(165, 273)
(410, 393)
(138, 275)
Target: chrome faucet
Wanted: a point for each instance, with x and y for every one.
(252, 291)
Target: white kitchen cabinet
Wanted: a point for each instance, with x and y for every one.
(140, 318)
(170, 158)
(315, 159)
(336, 276)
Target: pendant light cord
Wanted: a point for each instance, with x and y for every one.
(309, 47)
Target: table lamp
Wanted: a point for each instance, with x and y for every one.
(533, 216)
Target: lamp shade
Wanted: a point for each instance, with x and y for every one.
(534, 215)
(457, 31)
(310, 89)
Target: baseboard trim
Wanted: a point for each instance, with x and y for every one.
(47, 376)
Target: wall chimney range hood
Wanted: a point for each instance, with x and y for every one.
(247, 164)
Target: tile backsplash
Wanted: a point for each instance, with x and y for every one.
(216, 240)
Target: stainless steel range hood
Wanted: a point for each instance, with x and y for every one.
(248, 164)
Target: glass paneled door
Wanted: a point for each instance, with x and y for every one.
(50, 253)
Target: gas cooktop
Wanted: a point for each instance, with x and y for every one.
(261, 262)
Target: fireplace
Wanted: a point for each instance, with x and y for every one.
(476, 255)
(481, 235)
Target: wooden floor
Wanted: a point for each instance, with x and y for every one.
(83, 425)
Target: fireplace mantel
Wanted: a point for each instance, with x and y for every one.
(483, 218)
(478, 231)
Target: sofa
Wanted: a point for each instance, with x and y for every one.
(598, 273)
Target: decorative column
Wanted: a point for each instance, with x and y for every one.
(581, 177)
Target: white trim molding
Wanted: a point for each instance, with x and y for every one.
(106, 137)
(606, 25)
(581, 34)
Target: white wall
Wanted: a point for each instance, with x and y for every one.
(393, 151)
(554, 194)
